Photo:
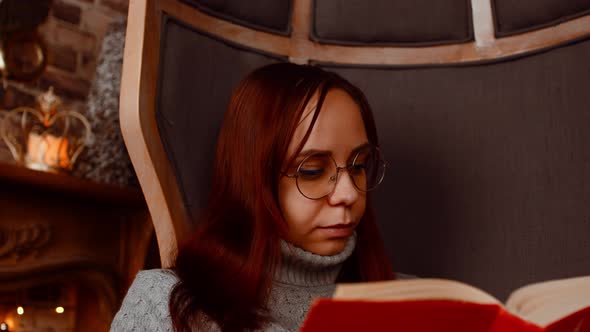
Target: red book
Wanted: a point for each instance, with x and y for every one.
(439, 305)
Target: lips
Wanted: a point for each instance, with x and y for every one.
(338, 230)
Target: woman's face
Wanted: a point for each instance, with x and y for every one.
(323, 226)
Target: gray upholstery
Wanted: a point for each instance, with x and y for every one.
(269, 15)
(512, 17)
(490, 167)
(198, 75)
(490, 163)
(391, 22)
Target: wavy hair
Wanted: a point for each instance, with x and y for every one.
(226, 265)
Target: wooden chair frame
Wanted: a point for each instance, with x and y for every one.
(141, 58)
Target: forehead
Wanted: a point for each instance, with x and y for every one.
(339, 127)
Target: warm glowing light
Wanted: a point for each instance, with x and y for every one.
(59, 310)
(47, 150)
(20, 310)
(3, 326)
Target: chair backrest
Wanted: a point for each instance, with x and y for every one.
(482, 108)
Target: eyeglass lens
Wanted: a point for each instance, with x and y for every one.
(317, 173)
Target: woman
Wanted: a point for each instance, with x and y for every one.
(287, 217)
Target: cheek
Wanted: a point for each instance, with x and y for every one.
(298, 211)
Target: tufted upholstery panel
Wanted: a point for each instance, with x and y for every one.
(387, 22)
(490, 167)
(197, 76)
(512, 17)
(269, 15)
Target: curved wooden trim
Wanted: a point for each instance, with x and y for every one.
(260, 40)
(229, 17)
(481, 50)
(139, 80)
(302, 50)
(139, 129)
(468, 24)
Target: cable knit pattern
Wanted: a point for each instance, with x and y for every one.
(145, 307)
(302, 278)
(303, 268)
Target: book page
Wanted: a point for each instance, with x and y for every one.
(415, 289)
(546, 302)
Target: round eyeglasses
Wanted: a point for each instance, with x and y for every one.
(317, 174)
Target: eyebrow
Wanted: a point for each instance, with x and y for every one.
(307, 152)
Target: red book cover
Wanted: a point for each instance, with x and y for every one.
(428, 316)
(576, 322)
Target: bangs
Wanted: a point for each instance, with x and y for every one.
(322, 90)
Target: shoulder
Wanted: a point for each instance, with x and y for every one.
(145, 307)
(155, 279)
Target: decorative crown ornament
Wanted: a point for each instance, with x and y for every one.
(46, 138)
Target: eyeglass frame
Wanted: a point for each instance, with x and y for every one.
(338, 169)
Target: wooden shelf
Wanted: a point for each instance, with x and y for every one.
(67, 184)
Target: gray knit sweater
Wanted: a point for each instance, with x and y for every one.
(302, 278)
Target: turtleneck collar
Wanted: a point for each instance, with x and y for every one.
(303, 268)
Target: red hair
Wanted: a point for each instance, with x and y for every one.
(226, 266)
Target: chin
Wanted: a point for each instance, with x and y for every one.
(329, 247)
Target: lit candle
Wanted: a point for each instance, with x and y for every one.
(47, 151)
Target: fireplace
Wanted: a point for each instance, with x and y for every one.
(69, 249)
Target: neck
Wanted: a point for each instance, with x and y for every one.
(303, 268)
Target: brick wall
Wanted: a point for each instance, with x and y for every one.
(73, 32)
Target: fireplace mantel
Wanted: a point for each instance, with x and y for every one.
(58, 228)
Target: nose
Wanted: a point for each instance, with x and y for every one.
(344, 190)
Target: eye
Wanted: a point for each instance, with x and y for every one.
(314, 167)
(310, 173)
(357, 169)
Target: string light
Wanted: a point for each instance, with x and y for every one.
(20, 310)
(3, 326)
(59, 310)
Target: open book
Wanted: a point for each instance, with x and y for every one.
(443, 305)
